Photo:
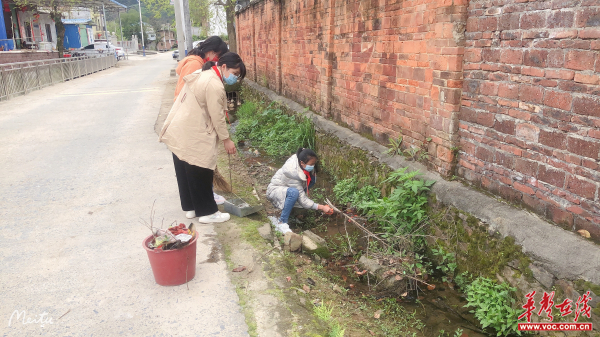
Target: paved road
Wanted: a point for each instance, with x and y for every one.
(80, 165)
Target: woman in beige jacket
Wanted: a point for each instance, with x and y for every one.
(192, 130)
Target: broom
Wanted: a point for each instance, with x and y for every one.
(220, 183)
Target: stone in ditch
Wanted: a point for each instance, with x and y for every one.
(309, 246)
(265, 231)
(292, 241)
(315, 238)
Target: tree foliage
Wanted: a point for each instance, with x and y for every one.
(160, 9)
(130, 21)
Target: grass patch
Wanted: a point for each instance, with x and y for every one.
(272, 129)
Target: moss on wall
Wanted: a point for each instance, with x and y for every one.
(343, 161)
(476, 251)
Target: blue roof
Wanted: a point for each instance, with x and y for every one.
(120, 4)
(75, 21)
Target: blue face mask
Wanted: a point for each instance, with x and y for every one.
(231, 79)
(309, 168)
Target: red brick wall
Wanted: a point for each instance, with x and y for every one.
(517, 95)
(383, 67)
(529, 124)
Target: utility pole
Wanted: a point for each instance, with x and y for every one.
(104, 17)
(179, 27)
(121, 27)
(189, 40)
(142, 29)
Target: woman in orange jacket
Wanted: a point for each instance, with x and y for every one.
(209, 50)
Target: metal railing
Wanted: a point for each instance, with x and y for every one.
(20, 78)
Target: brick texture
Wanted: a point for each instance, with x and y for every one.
(514, 85)
(383, 68)
(542, 140)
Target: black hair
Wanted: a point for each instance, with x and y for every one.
(305, 155)
(231, 60)
(213, 43)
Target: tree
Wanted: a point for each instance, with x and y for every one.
(57, 7)
(130, 21)
(229, 6)
(159, 9)
(200, 13)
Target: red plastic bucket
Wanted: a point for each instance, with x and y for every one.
(172, 267)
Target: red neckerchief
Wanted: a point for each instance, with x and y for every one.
(219, 74)
(217, 71)
(308, 179)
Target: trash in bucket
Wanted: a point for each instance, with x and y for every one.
(172, 257)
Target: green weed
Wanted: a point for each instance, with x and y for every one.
(323, 312)
(274, 130)
(493, 305)
(395, 146)
(349, 191)
(446, 263)
(406, 206)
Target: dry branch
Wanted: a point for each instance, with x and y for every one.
(361, 227)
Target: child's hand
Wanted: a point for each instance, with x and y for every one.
(326, 209)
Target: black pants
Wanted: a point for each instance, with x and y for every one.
(195, 188)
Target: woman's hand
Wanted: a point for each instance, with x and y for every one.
(325, 209)
(229, 146)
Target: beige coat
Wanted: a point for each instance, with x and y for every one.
(197, 120)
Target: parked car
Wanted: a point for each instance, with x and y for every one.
(97, 48)
(196, 43)
(176, 55)
(120, 53)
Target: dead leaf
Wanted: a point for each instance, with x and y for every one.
(351, 286)
(378, 314)
(371, 332)
(404, 294)
(361, 272)
(584, 233)
(398, 278)
(387, 274)
(299, 270)
(239, 269)
(289, 279)
(345, 278)
(431, 287)
(306, 288)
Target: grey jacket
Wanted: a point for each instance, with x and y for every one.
(289, 175)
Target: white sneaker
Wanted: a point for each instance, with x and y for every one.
(280, 227)
(215, 217)
(190, 214)
(219, 199)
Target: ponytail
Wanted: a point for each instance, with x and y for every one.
(304, 155)
(213, 43)
(208, 65)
